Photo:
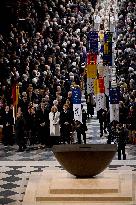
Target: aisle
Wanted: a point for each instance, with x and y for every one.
(93, 132)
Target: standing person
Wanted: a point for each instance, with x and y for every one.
(31, 125)
(102, 116)
(121, 140)
(20, 131)
(81, 127)
(43, 124)
(24, 104)
(66, 120)
(90, 105)
(8, 122)
(54, 117)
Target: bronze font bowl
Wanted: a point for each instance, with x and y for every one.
(84, 160)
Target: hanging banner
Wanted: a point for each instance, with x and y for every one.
(100, 69)
(76, 97)
(91, 58)
(101, 85)
(107, 52)
(106, 48)
(96, 87)
(77, 112)
(108, 37)
(91, 71)
(114, 112)
(101, 36)
(100, 101)
(114, 95)
(106, 80)
(93, 41)
(90, 85)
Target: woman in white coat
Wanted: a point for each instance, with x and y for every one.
(54, 117)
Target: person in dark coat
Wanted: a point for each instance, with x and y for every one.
(24, 104)
(8, 122)
(31, 125)
(121, 141)
(102, 116)
(90, 105)
(20, 126)
(43, 124)
(81, 128)
(66, 120)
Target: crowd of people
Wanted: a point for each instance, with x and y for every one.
(44, 53)
(126, 65)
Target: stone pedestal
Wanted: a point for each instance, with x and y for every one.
(61, 188)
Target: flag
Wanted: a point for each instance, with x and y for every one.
(15, 97)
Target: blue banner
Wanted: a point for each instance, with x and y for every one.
(93, 42)
(107, 60)
(76, 96)
(107, 54)
(108, 37)
(114, 95)
(107, 51)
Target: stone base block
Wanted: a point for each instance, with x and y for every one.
(61, 188)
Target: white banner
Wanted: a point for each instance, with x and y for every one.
(114, 112)
(90, 86)
(77, 112)
(100, 101)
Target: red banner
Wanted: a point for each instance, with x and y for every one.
(101, 85)
(91, 58)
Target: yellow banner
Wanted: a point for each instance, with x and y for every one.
(91, 71)
(96, 87)
(106, 48)
(101, 36)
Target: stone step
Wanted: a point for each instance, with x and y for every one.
(93, 190)
(57, 187)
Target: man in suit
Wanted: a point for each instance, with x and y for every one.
(81, 127)
(102, 116)
(66, 120)
(43, 124)
(121, 140)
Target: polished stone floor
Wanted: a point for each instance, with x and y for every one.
(16, 167)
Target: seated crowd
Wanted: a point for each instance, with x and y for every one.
(44, 53)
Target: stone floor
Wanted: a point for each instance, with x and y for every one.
(16, 167)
